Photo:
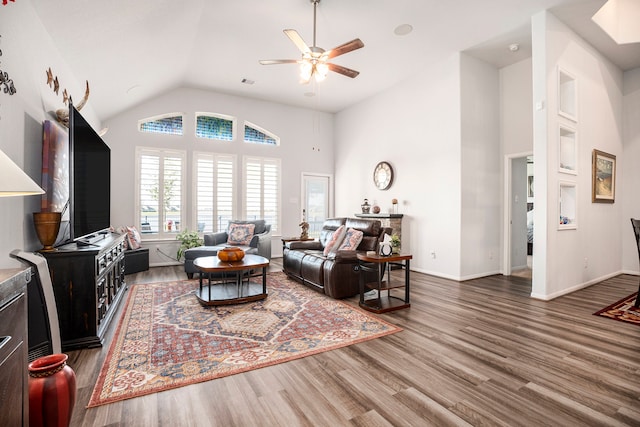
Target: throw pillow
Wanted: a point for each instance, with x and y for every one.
(240, 234)
(352, 239)
(133, 238)
(335, 240)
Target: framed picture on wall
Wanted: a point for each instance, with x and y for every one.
(603, 177)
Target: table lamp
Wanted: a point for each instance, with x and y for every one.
(13, 181)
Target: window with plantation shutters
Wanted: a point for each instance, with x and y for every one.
(261, 178)
(214, 190)
(160, 190)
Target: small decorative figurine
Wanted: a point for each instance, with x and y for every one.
(365, 206)
(304, 225)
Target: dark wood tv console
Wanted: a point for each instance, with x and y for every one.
(88, 283)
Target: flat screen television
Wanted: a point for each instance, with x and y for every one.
(90, 178)
(76, 174)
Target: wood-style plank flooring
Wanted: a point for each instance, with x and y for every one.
(478, 353)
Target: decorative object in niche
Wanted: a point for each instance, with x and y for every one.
(567, 206)
(383, 175)
(603, 187)
(5, 80)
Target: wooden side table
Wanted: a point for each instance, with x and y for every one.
(382, 265)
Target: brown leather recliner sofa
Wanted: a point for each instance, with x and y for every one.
(336, 275)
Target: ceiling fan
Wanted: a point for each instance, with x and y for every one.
(314, 62)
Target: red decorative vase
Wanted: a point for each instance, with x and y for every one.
(52, 391)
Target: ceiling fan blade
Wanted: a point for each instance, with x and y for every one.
(343, 70)
(297, 40)
(278, 61)
(345, 48)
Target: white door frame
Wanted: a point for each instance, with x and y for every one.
(331, 192)
(506, 225)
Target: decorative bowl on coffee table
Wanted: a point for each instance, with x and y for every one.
(231, 254)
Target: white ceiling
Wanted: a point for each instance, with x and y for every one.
(130, 51)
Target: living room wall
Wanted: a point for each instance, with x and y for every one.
(27, 52)
(416, 127)
(306, 145)
(481, 163)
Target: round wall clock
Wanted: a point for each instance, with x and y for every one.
(383, 175)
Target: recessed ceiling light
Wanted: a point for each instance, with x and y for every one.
(514, 47)
(403, 29)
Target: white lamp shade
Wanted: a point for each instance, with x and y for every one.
(13, 181)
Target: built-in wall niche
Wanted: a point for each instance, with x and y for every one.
(567, 95)
(567, 206)
(568, 150)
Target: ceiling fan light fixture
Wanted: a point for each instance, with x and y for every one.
(314, 62)
(322, 69)
(306, 70)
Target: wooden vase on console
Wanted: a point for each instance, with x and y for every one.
(47, 226)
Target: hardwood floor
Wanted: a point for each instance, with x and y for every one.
(479, 352)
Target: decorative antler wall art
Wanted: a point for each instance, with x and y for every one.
(5, 82)
(62, 114)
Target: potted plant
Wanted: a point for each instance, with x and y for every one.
(395, 243)
(188, 239)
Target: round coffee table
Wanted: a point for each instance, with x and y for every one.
(231, 282)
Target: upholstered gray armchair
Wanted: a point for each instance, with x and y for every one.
(260, 243)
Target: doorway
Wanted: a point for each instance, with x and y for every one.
(518, 224)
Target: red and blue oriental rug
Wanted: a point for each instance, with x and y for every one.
(622, 310)
(166, 339)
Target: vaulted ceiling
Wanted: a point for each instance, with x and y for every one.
(131, 51)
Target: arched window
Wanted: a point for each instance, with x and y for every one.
(215, 126)
(257, 135)
(167, 123)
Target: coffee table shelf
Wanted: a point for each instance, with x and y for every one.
(231, 282)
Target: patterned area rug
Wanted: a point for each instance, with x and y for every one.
(166, 339)
(622, 310)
